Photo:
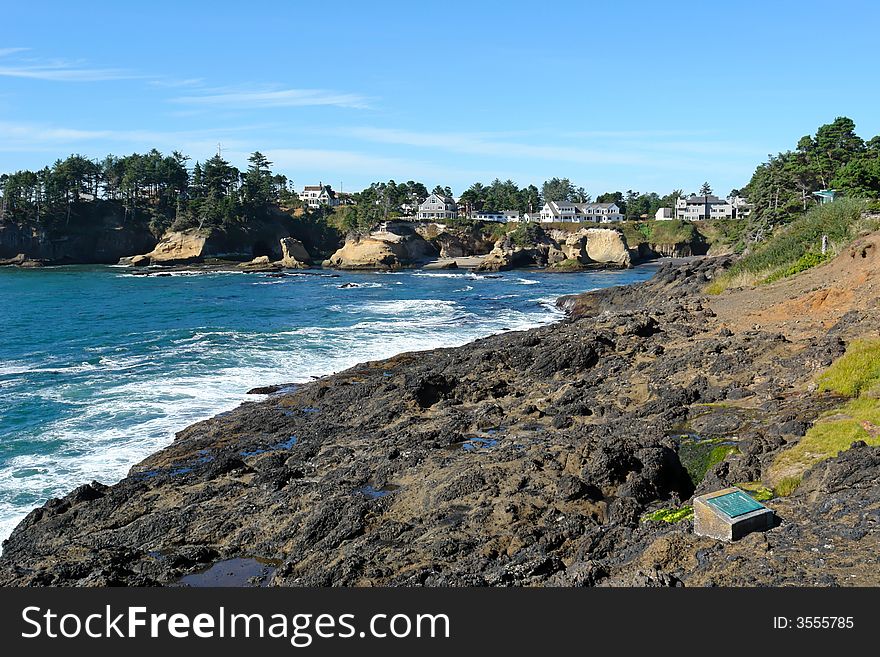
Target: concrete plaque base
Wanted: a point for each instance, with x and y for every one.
(729, 514)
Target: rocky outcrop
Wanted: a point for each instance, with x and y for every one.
(456, 242)
(607, 246)
(507, 254)
(381, 251)
(526, 458)
(100, 236)
(21, 261)
(560, 249)
(294, 254)
(136, 261)
(181, 247)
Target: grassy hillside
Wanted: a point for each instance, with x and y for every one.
(798, 246)
(671, 231)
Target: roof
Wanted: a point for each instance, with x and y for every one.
(440, 197)
(702, 200)
(584, 206)
(313, 188)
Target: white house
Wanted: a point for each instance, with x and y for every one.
(501, 217)
(438, 207)
(317, 195)
(664, 214)
(564, 211)
(701, 208)
(740, 205)
(559, 211)
(602, 212)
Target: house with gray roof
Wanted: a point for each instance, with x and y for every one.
(565, 211)
(438, 207)
(317, 195)
(702, 208)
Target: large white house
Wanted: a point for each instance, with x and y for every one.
(563, 211)
(438, 207)
(317, 195)
(702, 208)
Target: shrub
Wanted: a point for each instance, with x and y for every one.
(795, 248)
(526, 234)
(805, 262)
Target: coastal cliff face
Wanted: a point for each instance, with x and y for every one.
(382, 251)
(555, 248)
(105, 240)
(259, 239)
(454, 242)
(526, 458)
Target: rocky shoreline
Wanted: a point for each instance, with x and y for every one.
(522, 459)
(392, 245)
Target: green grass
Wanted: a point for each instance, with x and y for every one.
(569, 264)
(724, 234)
(668, 231)
(718, 285)
(757, 490)
(795, 248)
(832, 434)
(787, 486)
(699, 456)
(670, 515)
(805, 262)
(855, 372)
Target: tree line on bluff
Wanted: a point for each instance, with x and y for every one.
(164, 192)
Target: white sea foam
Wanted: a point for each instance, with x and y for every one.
(445, 274)
(128, 405)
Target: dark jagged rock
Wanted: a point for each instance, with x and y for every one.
(524, 458)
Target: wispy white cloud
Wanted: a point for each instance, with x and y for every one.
(633, 134)
(171, 83)
(25, 137)
(480, 144)
(55, 69)
(621, 149)
(4, 52)
(272, 97)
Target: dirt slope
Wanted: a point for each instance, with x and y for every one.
(812, 301)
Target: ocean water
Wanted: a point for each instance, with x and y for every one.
(100, 367)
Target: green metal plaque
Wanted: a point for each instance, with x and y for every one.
(735, 504)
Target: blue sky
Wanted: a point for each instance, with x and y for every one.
(614, 95)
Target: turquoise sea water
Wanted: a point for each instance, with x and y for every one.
(99, 367)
